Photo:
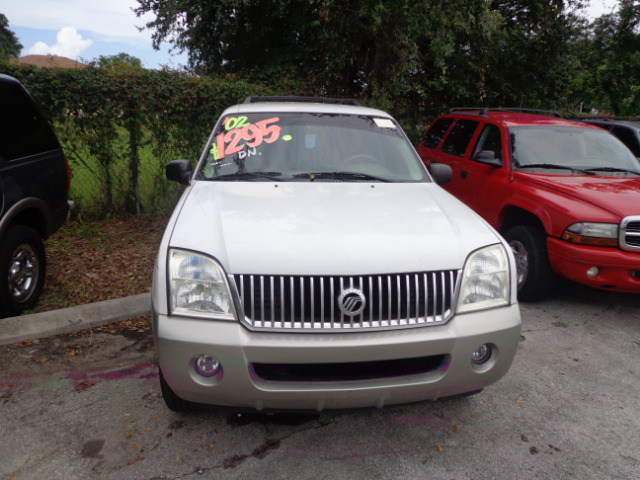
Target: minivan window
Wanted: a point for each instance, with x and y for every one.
(629, 137)
(436, 132)
(489, 140)
(458, 139)
(23, 130)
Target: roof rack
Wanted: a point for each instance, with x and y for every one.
(293, 98)
(482, 111)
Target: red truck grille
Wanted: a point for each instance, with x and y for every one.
(630, 233)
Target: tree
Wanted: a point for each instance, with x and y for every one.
(413, 57)
(9, 45)
(455, 48)
(122, 59)
(531, 61)
(615, 58)
(378, 49)
(256, 38)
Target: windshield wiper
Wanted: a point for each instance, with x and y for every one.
(612, 169)
(243, 175)
(340, 176)
(555, 167)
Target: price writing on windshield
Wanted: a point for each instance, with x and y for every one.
(240, 133)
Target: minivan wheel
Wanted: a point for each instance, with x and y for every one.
(22, 270)
(174, 402)
(534, 274)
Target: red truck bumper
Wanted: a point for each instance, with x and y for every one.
(617, 270)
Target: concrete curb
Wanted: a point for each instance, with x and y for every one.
(55, 322)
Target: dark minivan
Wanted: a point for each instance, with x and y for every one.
(34, 186)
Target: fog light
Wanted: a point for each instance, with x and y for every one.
(206, 365)
(593, 272)
(481, 355)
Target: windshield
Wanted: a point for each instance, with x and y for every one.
(577, 149)
(310, 147)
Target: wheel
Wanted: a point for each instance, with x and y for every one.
(534, 274)
(174, 402)
(22, 270)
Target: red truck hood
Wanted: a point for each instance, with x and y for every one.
(618, 195)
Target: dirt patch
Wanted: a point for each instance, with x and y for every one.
(93, 261)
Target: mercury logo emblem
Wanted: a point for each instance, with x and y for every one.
(352, 302)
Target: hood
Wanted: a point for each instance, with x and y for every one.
(617, 195)
(317, 228)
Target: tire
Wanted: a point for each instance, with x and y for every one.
(22, 270)
(171, 400)
(534, 274)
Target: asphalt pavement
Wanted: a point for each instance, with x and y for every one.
(66, 320)
(89, 406)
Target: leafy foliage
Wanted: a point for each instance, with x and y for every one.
(255, 39)
(415, 56)
(532, 63)
(610, 53)
(120, 60)
(9, 45)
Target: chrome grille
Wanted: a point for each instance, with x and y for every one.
(630, 233)
(310, 303)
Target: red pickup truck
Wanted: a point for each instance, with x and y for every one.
(564, 194)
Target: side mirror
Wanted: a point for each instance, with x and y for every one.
(488, 158)
(179, 171)
(440, 172)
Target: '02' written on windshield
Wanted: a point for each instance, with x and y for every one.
(240, 133)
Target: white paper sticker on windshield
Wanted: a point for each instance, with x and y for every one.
(384, 123)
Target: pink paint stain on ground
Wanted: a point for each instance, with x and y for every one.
(16, 382)
(86, 379)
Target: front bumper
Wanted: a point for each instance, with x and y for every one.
(179, 340)
(618, 270)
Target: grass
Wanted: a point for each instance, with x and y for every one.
(88, 179)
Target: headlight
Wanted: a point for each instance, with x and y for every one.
(587, 233)
(198, 287)
(486, 280)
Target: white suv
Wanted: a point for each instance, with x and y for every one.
(313, 263)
